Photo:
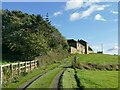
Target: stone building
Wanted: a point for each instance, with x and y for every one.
(79, 46)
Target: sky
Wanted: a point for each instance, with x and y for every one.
(94, 22)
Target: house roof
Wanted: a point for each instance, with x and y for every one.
(71, 40)
(82, 42)
(90, 49)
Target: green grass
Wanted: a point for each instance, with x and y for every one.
(30, 75)
(97, 58)
(98, 79)
(45, 80)
(68, 80)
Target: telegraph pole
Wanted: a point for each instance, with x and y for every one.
(102, 47)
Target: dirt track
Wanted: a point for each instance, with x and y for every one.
(56, 80)
(29, 82)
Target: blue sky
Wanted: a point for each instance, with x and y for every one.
(97, 23)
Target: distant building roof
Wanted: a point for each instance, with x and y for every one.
(72, 43)
(90, 49)
(71, 40)
(82, 42)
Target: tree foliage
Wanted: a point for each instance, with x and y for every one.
(27, 36)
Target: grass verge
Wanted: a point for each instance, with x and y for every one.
(68, 79)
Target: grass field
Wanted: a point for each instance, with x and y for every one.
(98, 79)
(68, 79)
(97, 58)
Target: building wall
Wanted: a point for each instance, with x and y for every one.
(80, 48)
(73, 50)
(90, 51)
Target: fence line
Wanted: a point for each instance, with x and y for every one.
(10, 70)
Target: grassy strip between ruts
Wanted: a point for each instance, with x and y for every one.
(97, 58)
(68, 79)
(45, 80)
(30, 75)
(98, 79)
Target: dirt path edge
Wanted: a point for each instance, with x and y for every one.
(56, 80)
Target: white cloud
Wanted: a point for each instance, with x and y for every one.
(92, 9)
(91, 2)
(74, 4)
(114, 12)
(58, 13)
(74, 16)
(113, 50)
(88, 12)
(99, 17)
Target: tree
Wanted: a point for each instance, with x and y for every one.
(28, 36)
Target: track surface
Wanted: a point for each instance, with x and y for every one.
(29, 82)
(54, 84)
(26, 84)
(56, 80)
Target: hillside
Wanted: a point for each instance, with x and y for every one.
(98, 58)
(28, 36)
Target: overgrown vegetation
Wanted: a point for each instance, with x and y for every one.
(28, 36)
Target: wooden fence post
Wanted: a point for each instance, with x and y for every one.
(1, 76)
(25, 67)
(18, 68)
(30, 65)
(37, 63)
(34, 64)
(11, 69)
